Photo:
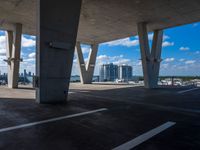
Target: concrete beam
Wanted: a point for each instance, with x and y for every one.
(13, 50)
(57, 32)
(150, 59)
(86, 71)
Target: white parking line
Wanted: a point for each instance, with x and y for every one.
(71, 92)
(144, 137)
(184, 91)
(85, 91)
(51, 120)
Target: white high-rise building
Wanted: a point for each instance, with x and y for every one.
(124, 72)
(108, 72)
(111, 72)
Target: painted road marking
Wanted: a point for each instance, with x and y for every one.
(144, 137)
(184, 91)
(51, 120)
(71, 92)
(85, 91)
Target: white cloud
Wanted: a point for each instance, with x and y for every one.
(2, 52)
(180, 69)
(128, 42)
(32, 36)
(165, 37)
(26, 42)
(190, 62)
(85, 50)
(197, 52)
(29, 60)
(31, 55)
(182, 59)
(184, 48)
(195, 24)
(2, 32)
(109, 59)
(166, 44)
(2, 42)
(2, 45)
(3, 65)
(164, 66)
(103, 58)
(123, 42)
(150, 36)
(122, 61)
(139, 63)
(169, 59)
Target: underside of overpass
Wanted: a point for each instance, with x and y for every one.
(106, 20)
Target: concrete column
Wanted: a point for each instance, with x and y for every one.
(13, 49)
(87, 71)
(57, 31)
(150, 59)
(156, 55)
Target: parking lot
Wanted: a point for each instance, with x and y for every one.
(102, 117)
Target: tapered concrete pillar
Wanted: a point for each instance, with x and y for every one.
(87, 71)
(150, 59)
(13, 50)
(57, 32)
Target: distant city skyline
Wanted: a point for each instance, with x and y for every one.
(180, 53)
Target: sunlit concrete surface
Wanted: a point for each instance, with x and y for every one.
(99, 86)
(102, 117)
(23, 92)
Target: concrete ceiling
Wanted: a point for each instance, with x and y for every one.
(106, 20)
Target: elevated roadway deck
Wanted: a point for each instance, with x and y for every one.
(102, 119)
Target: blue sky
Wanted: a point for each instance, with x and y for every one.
(180, 52)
